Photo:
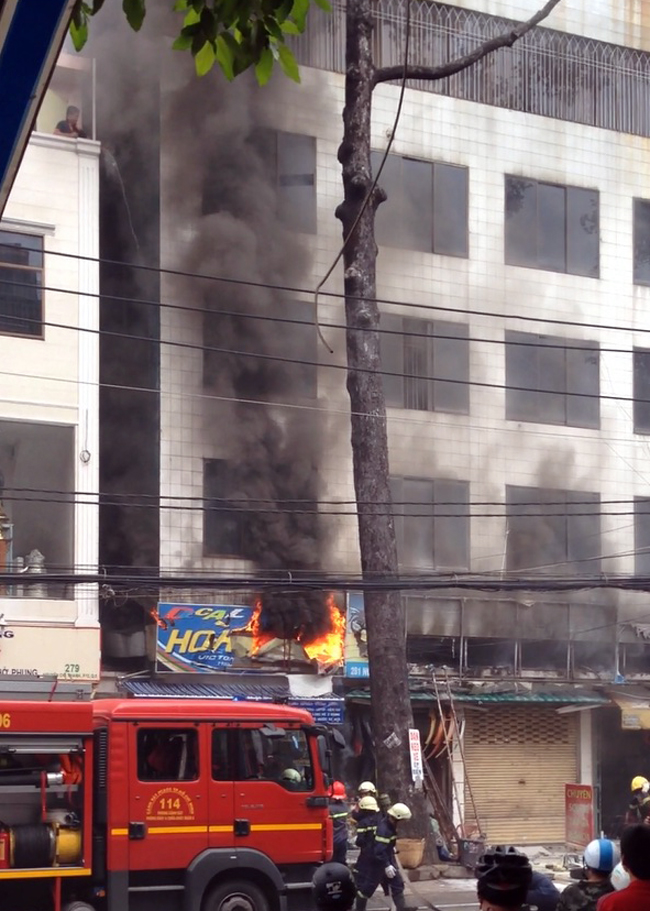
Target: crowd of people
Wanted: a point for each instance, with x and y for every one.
(609, 881)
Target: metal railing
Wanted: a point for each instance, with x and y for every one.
(551, 73)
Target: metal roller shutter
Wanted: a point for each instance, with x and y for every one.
(518, 760)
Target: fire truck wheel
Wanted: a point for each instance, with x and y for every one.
(78, 906)
(236, 895)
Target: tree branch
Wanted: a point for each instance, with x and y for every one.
(432, 73)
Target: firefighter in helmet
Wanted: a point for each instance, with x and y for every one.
(365, 789)
(339, 811)
(639, 808)
(381, 861)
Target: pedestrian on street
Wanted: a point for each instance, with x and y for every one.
(600, 857)
(504, 877)
(635, 857)
(381, 861)
(339, 811)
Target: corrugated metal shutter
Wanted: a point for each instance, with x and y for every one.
(518, 760)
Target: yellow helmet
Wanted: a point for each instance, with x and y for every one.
(367, 787)
(639, 783)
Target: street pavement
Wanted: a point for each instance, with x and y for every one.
(445, 894)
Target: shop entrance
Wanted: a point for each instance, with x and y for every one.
(621, 756)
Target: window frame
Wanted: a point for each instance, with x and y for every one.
(640, 404)
(192, 732)
(523, 399)
(540, 238)
(638, 204)
(240, 516)
(38, 270)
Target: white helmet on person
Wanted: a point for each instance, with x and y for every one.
(291, 775)
(601, 855)
(367, 787)
(369, 803)
(399, 811)
(619, 878)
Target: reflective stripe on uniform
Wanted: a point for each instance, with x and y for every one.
(338, 815)
(386, 841)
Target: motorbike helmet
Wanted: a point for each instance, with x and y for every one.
(639, 783)
(620, 878)
(291, 775)
(503, 876)
(399, 811)
(367, 787)
(601, 855)
(332, 888)
(369, 803)
(338, 790)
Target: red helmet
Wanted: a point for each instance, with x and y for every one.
(338, 790)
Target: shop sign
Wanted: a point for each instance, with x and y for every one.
(356, 638)
(197, 637)
(68, 653)
(579, 814)
(415, 750)
(324, 711)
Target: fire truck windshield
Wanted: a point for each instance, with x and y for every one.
(284, 759)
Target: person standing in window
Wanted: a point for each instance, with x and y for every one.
(69, 126)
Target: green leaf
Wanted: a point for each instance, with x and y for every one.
(79, 34)
(299, 12)
(209, 24)
(180, 6)
(182, 43)
(191, 18)
(324, 5)
(288, 63)
(290, 28)
(225, 57)
(264, 67)
(135, 12)
(205, 59)
(97, 5)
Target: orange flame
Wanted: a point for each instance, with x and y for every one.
(326, 649)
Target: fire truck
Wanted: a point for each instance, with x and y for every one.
(172, 804)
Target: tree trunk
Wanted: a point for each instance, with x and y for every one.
(391, 712)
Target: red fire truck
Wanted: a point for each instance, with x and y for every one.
(172, 804)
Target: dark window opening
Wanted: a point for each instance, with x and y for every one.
(168, 754)
(593, 657)
(551, 227)
(642, 241)
(441, 651)
(426, 364)
(552, 380)
(540, 655)
(642, 536)
(427, 205)
(635, 658)
(224, 520)
(431, 522)
(553, 531)
(641, 391)
(222, 755)
(490, 653)
(280, 757)
(21, 284)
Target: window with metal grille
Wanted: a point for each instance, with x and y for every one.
(551, 227)
(426, 208)
(425, 364)
(553, 531)
(641, 390)
(552, 380)
(431, 522)
(21, 284)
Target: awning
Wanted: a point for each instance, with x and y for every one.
(635, 708)
(247, 690)
(560, 696)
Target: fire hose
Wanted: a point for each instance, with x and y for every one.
(422, 901)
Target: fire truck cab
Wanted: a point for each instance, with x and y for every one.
(172, 804)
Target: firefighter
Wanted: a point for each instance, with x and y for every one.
(381, 861)
(639, 808)
(368, 818)
(339, 811)
(291, 779)
(365, 789)
(504, 876)
(600, 858)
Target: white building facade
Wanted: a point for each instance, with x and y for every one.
(49, 284)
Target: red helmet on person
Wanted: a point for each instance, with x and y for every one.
(338, 790)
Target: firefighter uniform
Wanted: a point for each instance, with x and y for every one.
(639, 808)
(339, 811)
(373, 863)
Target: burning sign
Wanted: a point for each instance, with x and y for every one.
(206, 638)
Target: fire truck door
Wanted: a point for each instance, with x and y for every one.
(275, 781)
(168, 806)
(221, 788)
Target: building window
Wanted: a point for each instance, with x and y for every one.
(551, 227)
(289, 162)
(224, 520)
(552, 380)
(425, 364)
(282, 758)
(642, 536)
(431, 523)
(642, 241)
(21, 284)
(641, 391)
(427, 205)
(553, 531)
(269, 353)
